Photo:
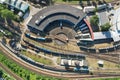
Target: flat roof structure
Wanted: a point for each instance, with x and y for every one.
(107, 34)
(102, 35)
(89, 9)
(73, 62)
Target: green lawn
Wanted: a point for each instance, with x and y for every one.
(74, 2)
(63, 2)
(37, 58)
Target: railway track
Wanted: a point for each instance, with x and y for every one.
(108, 57)
(47, 72)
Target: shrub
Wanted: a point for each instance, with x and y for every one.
(105, 27)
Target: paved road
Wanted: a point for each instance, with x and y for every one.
(10, 72)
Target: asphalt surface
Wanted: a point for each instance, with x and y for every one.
(103, 17)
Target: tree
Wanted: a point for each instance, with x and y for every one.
(94, 20)
(6, 14)
(2, 7)
(105, 27)
(1, 73)
(88, 3)
(94, 3)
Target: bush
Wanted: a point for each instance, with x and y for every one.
(94, 20)
(105, 27)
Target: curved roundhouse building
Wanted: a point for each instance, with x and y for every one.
(62, 17)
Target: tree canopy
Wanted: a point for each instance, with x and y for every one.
(105, 27)
(5, 13)
(94, 20)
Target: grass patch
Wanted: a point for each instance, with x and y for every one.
(66, 2)
(103, 45)
(37, 57)
(76, 2)
(93, 63)
(109, 0)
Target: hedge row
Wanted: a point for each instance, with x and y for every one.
(22, 72)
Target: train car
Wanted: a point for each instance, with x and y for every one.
(76, 69)
(30, 36)
(55, 53)
(81, 44)
(81, 70)
(85, 42)
(46, 51)
(48, 40)
(117, 46)
(41, 39)
(111, 49)
(86, 71)
(84, 48)
(102, 50)
(82, 36)
(37, 51)
(27, 35)
(23, 57)
(92, 50)
(33, 37)
(70, 69)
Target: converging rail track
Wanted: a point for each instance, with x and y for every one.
(51, 73)
(108, 57)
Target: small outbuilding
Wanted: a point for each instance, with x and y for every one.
(100, 63)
